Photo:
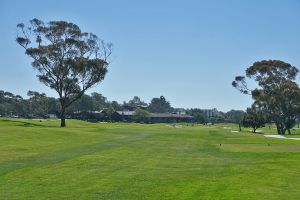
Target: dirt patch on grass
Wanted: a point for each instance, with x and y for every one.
(174, 126)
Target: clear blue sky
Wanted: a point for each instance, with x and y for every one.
(189, 51)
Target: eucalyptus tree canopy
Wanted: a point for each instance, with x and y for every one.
(136, 102)
(254, 118)
(66, 59)
(159, 105)
(277, 93)
(12, 105)
(38, 104)
(235, 116)
(198, 115)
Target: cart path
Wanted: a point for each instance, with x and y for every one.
(281, 137)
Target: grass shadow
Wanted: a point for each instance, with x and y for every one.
(25, 124)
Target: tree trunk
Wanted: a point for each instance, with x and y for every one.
(289, 131)
(240, 128)
(63, 117)
(280, 129)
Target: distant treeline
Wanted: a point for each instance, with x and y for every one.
(38, 105)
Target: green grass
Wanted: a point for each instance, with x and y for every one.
(39, 160)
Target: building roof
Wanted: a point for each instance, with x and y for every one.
(168, 115)
(155, 115)
(127, 113)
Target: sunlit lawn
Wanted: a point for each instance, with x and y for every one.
(39, 160)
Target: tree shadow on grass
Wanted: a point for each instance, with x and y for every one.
(25, 124)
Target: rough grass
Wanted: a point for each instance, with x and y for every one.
(39, 160)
